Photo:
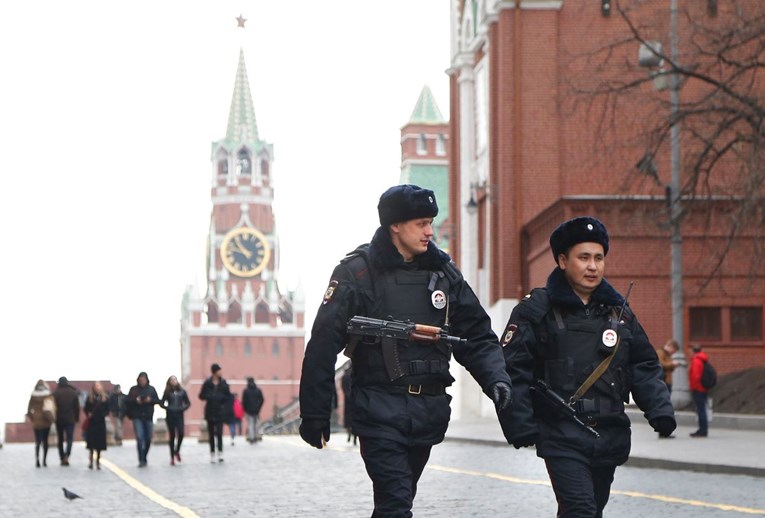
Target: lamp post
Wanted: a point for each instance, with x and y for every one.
(648, 57)
(680, 395)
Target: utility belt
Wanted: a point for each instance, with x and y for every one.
(432, 389)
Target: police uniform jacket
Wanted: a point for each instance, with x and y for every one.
(563, 350)
(387, 287)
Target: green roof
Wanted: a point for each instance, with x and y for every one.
(435, 178)
(242, 127)
(426, 110)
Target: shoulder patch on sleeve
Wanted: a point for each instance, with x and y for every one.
(330, 291)
(509, 332)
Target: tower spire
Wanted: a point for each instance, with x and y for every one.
(242, 126)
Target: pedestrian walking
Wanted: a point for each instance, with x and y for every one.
(237, 412)
(399, 404)
(67, 416)
(41, 412)
(346, 384)
(575, 352)
(252, 402)
(699, 392)
(96, 409)
(118, 410)
(175, 401)
(217, 397)
(141, 399)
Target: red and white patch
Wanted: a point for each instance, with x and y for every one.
(511, 329)
(330, 291)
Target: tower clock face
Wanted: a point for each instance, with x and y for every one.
(245, 252)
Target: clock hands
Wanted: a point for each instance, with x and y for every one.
(241, 248)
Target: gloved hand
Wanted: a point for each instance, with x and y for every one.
(665, 425)
(525, 440)
(314, 430)
(502, 395)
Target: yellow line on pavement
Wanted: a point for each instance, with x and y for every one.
(149, 493)
(632, 494)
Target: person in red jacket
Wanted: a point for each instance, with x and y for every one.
(698, 391)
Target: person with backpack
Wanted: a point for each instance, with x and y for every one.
(399, 404)
(575, 352)
(700, 386)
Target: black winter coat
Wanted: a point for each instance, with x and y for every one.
(218, 406)
(378, 412)
(140, 402)
(634, 369)
(96, 409)
(252, 399)
(67, 405)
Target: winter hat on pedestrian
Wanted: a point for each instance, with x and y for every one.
(214, 368)
(405, 202)
(142, 375)
(63, 381)
(583, 229)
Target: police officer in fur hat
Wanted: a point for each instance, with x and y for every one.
(571, 339)
(399, 410)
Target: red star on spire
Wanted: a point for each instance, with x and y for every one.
(240, 21)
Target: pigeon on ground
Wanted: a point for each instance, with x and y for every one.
(69, 495)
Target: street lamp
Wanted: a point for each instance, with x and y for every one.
(680, 394)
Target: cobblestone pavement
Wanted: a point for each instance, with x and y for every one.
(282, 477)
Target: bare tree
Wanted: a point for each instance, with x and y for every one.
(718, 71)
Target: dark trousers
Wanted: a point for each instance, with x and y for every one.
(581, 490)
(700, 400)
(65, 432)
(175, 426)
(41, 438)
(215, 432)
(395, 470)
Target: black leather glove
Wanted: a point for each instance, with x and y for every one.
(502, 395)
(665, 425)
(314, 430)
(525, 440)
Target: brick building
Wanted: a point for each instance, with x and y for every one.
(527, 153)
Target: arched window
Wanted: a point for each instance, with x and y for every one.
(422, 144)
(212, 312)
(441, 145)
(223, 166)
(261, 313)
(235, 312)
(243, 164)
(264, 169)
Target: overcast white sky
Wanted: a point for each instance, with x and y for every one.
(107, 113)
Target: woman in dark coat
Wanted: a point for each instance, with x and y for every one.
(96, 410)
(175, 401)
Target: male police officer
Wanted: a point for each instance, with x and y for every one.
(398, 411)
(569, 336)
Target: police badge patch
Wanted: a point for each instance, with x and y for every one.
(511, 329)
(330, 291)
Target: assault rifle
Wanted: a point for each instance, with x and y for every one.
(550, 397)
(389, 332)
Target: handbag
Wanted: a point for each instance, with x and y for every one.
(86, 423)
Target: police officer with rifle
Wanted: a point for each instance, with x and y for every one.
(413, 311)
(575, 352)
